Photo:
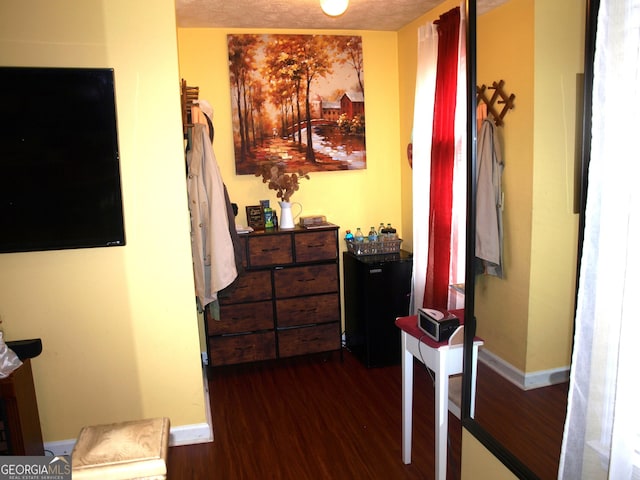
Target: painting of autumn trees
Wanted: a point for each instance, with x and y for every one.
(297, 101)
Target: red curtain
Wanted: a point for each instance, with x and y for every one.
(442, 156)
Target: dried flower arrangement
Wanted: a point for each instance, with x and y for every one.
(284, 183)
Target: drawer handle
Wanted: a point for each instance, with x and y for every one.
(306, 280)
(317, 245)
(274, 249)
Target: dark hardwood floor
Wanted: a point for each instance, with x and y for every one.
(318, 417)
(530, 423)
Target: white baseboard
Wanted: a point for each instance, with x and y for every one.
(190, 434)
(62, 447)
(183, 435)
(525, 381)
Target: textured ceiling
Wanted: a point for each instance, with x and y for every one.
(388, 15)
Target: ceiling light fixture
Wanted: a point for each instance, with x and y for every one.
(334, 8)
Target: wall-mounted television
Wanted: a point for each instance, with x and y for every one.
(59, 160)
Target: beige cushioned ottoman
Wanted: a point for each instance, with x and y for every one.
(122, 451)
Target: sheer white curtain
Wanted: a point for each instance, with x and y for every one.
(422, 128)
(602, 430)
(459, 207)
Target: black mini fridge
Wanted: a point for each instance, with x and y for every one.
(377, 290)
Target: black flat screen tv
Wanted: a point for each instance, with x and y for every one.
(59, 160)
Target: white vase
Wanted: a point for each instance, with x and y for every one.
(287, 218)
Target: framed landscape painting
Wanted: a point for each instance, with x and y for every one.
(297, 101)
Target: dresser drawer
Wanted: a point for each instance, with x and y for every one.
(307, 310)
(243, 317)
(319, 338)
(251, 287)
(309, 280)
(270, 250)
(242, 348)
(316, 246)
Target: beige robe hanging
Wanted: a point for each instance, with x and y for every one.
(489, 200)
(212, 247)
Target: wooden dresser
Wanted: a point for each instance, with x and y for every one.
(285, 303)
(20, 432)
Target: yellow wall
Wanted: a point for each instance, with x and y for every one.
(527, 317)
(501, 306)
(476, 458)
(118, 325)
(351, 199)
(554, 225)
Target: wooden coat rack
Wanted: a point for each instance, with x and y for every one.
(498, 97)
(188, 96)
